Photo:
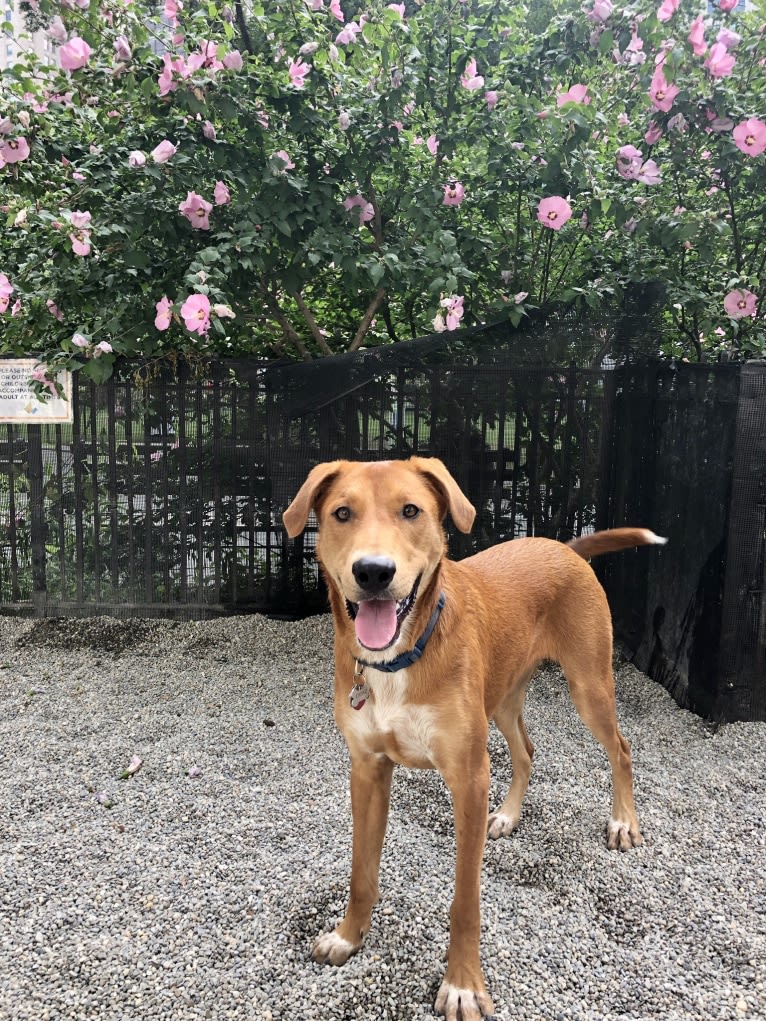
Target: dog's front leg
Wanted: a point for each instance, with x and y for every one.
(370, 797)
(463, 995)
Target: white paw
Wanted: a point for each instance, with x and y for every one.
(621, 836)
(333, 949)
(463, 1004)
(500, 825)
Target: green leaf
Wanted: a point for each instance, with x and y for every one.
(99, 369)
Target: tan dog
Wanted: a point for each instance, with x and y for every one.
(382, 551)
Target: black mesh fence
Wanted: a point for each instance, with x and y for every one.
(165, 495)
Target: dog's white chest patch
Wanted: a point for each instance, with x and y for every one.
(388, 724)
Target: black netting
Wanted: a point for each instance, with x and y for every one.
(165, 495)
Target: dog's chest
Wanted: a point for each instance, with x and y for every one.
(390, 725)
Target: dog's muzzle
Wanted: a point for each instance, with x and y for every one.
(378, 620)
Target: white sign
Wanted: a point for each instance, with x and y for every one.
(18, 402)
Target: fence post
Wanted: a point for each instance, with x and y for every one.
(37, 518)
(742, 682)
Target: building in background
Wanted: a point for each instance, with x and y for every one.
(15, 40)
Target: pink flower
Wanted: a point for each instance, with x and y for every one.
(122, 49)
(224, 312)
(80, 242)
(6, 290)
(720, 63)
(79, 219)
(136, 158)
(298, 71)
(491, 98)
(195, 312)
(206, 56)
(399, 8)
(667, 9)
(79, 341)
(56, 30)
(740, 304)
(285, 159)
(650, 173)
(164, 315)
(233, 61)
(601, 10)
(165, 79)
(163, 152)
(697, 36)
(336, 11)
(208, 130)
(196, 210)
(432, 144)
(653, 133)
(470, 79)
(40, 375)
(750, 136)
(102, 348)
(728, 38)
(661, 94)
(14, 150)
(54, 310)
(719, 124)
(577, 94)
(366, 209)
(74, 54)
(454, 307)
(629, 160)
(348, 34)
(554, 212)
(172, 7)
(453, 313)
(454, 193)
(727, 5)
(221, 194)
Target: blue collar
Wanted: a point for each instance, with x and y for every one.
(408, 658)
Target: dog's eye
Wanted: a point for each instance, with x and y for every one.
(410, 510)
(342, 514)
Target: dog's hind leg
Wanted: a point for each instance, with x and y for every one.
(593, 695)
(510, 722)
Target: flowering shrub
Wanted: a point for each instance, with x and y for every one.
(305, 177)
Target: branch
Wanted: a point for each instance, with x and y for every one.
(729, 190)
(312, 323)
(244, 31)
(367, 319)
(290, 333)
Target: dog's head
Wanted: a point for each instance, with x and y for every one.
(380, 538)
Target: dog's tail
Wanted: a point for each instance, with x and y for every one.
(613, 539)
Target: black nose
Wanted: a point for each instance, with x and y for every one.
(373, 574)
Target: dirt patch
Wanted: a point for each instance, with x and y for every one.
(100, 634)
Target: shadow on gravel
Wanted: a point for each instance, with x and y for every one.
(100, 634)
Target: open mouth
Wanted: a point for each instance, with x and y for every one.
(378, 622)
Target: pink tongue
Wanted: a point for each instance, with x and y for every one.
(375, 622)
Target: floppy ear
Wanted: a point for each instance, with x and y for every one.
(297, 514)
(455, 502)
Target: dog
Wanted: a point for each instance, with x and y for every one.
(428, 651)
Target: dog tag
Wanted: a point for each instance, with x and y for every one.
(359, 695)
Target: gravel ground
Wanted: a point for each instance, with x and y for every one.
(193, 888)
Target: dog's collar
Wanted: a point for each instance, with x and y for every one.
(406, 659)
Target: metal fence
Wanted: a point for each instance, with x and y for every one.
(164, 497)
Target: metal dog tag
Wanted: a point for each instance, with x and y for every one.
(359, 695)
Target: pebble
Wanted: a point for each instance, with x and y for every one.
(193, 888)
